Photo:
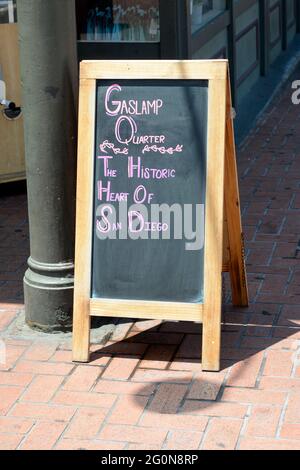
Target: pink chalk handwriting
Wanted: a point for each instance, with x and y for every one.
(139, 171)
(131, 107)
(117, 151)
(163, 150)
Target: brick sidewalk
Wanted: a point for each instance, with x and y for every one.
(144, 389)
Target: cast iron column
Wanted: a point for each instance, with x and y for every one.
(49, 86)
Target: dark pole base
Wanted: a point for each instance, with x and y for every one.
(48, 292)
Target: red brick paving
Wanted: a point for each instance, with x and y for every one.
(144, 389)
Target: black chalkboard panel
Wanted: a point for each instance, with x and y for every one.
(151, 143)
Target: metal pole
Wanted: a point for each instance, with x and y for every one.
(49, 86)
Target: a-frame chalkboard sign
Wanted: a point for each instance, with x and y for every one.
(158, 212)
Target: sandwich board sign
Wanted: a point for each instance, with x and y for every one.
(158, 211)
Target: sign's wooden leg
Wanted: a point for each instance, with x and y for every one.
(233, 214)
(214, 225)
(84, 221)
(81, 334)
(211, 334)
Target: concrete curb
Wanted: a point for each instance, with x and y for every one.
(19, 329)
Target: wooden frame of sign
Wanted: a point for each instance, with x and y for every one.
(224, 248)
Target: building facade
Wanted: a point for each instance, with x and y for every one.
(250, 33)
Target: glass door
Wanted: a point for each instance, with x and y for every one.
(118, 21)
